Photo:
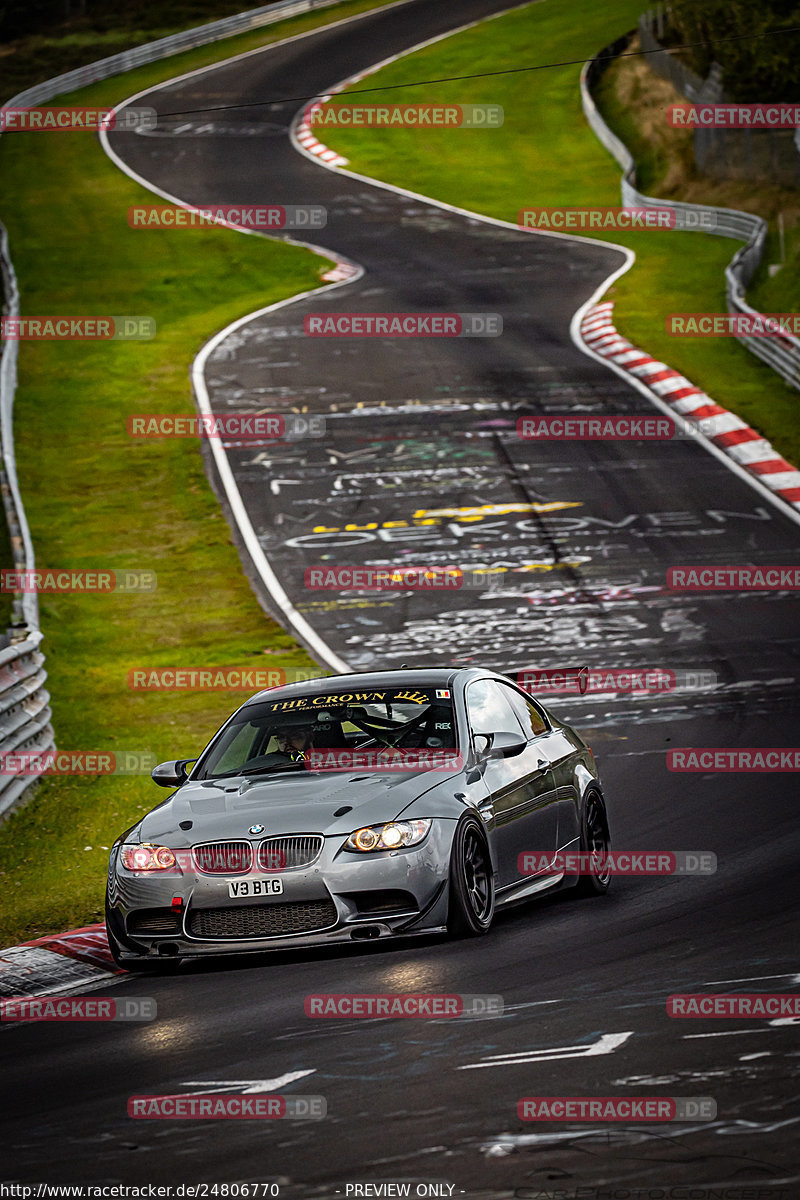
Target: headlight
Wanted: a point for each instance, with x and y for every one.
(388, 837)
(148, 857)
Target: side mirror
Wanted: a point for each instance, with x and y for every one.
(506, 745)
(172, 773)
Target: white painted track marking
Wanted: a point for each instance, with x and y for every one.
(606, 1044)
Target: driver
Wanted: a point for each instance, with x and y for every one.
(293, 742)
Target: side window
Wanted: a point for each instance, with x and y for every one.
(240, 743)
(489, 709)
(532, 720)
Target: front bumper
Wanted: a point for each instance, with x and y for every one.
(342, 897)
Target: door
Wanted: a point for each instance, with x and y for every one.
(559, 751)
(520, 792)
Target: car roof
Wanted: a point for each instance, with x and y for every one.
(421, 677)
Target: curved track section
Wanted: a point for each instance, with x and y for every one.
(421, 463)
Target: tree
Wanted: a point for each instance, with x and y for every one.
(761, 64)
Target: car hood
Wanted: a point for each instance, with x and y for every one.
(292, 803)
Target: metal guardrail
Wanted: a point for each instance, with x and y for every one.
(24, 702)
(26, 606)
(780, 353)
(175, 43)
(25, 714)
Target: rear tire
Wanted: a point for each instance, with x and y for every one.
(471, 908)
(595, 840)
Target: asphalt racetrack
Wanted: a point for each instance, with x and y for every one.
(421, 456)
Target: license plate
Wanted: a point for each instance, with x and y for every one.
(254, 887)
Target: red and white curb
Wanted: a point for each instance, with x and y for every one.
(310, 142)
(342, 270)
(62, 962)
(304, 133)
(729, 433)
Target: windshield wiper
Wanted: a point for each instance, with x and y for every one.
(274, 769)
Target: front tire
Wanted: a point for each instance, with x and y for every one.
(471, 907)
(596, 841)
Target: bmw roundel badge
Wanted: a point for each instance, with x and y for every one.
(256, 829)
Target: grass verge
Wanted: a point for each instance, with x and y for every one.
(94, 498)
(545, 154)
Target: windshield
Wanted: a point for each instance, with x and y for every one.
(277, 735)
